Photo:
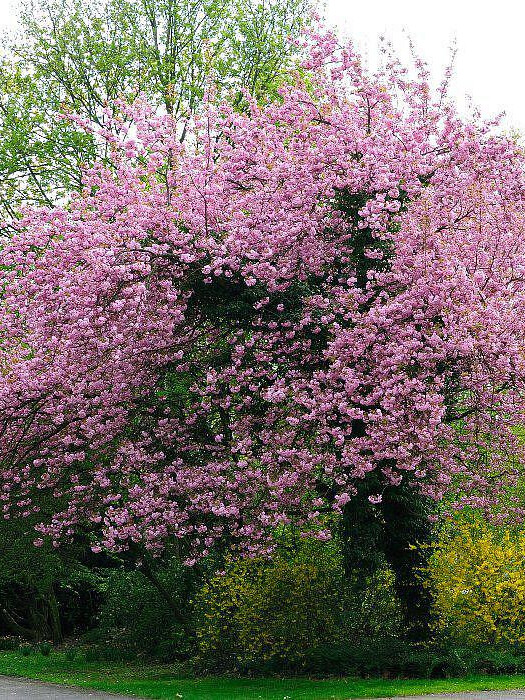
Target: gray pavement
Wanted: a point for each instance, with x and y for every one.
(33, 690)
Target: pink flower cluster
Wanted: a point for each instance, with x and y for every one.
(219, 339)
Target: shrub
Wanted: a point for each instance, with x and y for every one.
(9, 643)
(262, 615)
(476, 575)
(45, 648)
(136, 619)
(92, 655)
(394, 657)
(71, 654)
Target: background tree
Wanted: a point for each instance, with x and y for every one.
(70, 55)
(228, 336)
(45, 593)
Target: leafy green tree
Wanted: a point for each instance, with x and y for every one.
(45, 593)
(80, 57)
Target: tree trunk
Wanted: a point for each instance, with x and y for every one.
(390, 533)
(15, 627)
(406, 528)
(147, 570)
(54, 623)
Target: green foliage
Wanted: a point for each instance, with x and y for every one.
(373, 536)
(107, 654)
(45, 648)
(9, 643)
(466, 660)
(394, 657)
(40, 153)
(81, 56)
(28, 583)
(70, 654)
(263, 615)
(44, 592)
(136, 619)
(476, 575)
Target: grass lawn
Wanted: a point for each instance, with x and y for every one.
(160, 682)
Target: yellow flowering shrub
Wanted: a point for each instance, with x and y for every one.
(476, 574)
(258, 611)
(281, 612)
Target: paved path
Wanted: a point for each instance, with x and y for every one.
(34, 690)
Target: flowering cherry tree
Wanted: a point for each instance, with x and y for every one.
(220, 338)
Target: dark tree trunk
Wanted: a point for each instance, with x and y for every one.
(391, 532)
(406, 530)
(54, 623)
(14, 626)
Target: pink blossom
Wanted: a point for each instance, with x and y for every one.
(223, 338)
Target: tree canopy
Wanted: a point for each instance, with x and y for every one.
(77, 57)
(226, 335)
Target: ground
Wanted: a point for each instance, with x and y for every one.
(160, 682)
(35, 690)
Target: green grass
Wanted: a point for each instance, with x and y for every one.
(159, 682)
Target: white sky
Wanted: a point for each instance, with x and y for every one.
(490, 37)
(7, 13)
